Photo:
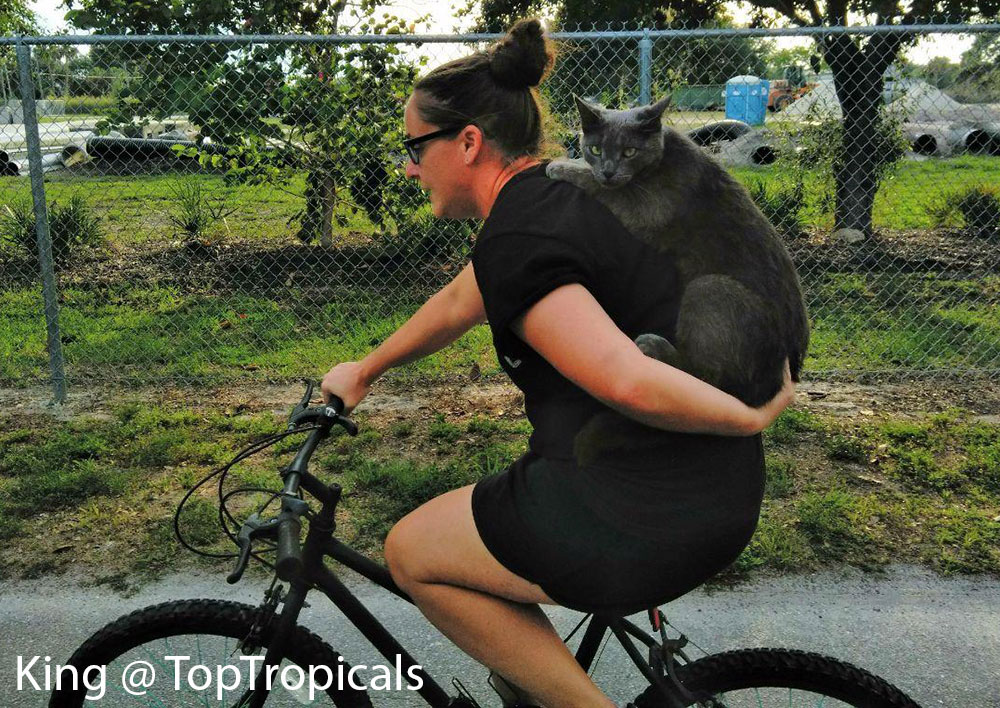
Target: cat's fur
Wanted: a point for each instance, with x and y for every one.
(741, 310)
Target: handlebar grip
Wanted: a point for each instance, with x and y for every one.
(337, 403)
(289, 561)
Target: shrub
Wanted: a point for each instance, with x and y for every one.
(71, 227)
(976, 207)
(89, 105)
(782, 205)
(195, 212)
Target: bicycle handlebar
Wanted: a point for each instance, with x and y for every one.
(289, 564)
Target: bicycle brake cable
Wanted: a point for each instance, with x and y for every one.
(223, 510)
(223, 471)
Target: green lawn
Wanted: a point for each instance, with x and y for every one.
(142, 335)
(135, 209)
(860, 322)
(866, 493)
(144, 331)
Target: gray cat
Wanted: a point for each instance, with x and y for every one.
(741, 309)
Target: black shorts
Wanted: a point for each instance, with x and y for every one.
(534, 519)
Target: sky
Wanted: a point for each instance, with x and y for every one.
(50, 16)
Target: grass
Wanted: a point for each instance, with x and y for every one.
(905, 201)
(141, 332)
(926, 490)
(136, 208)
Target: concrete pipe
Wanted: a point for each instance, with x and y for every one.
(930, 138)
(73, 155)
(924, 144)
(719, 130)
(763, 155)
(981, 141)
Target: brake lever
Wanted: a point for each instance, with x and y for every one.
(304, 403)
(252, 528)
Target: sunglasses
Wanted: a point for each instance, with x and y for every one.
(412, 145)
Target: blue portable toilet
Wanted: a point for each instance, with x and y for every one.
(746, 99)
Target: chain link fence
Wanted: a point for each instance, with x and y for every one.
(203, 209)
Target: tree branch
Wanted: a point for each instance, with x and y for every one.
(836, 12)
(815, 13)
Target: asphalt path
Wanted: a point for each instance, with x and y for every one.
(937, 639)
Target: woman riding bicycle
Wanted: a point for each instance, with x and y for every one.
(565, 290)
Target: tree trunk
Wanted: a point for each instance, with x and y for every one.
(321, 192)
(865, 149)
(857, 166)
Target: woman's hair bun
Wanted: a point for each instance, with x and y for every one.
(521, 59)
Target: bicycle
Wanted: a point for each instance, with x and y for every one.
(159, 634)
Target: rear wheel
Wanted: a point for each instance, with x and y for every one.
(782, 102)
(213, 634)
(781, 677)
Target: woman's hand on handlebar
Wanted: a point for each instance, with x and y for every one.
(766, 414)
(347, 381)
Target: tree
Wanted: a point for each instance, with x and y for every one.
(608, 71)
(858, 63)
(332, 111)
(15, 18)
(978, 80)
(941, 72)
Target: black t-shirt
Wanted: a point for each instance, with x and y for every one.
(542, 234)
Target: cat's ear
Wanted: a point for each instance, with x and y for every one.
(649, 116)
(590, 115)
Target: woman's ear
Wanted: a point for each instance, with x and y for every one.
(471, 143)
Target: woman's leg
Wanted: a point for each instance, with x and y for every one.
(435, 554)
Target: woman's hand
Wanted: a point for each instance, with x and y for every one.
(348, 381)
(766, 414)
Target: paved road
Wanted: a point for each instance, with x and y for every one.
(937, 639)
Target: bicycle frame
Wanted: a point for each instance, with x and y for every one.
(321, 544)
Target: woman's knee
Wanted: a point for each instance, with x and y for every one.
(399, 552)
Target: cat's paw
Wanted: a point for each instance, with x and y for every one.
(657, 347)
(559, 169)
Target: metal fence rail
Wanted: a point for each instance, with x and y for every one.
(200, 209)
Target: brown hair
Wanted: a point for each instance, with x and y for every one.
(495, 90)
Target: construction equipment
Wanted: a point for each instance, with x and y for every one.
(788, 89)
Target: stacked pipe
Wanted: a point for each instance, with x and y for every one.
(8, 168)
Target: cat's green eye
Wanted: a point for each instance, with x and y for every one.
(629, 152)
(595, 150)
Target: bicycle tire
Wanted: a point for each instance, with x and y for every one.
(147, 633)
(783, 671)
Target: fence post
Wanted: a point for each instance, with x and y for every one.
(49, 288)
(645, 68)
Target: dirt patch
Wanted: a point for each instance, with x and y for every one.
(495, 396)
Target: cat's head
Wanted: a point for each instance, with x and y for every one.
(620, 144)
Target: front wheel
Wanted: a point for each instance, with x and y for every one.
(780, 677)
(213, 634)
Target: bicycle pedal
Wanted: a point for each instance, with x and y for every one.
(464, 699)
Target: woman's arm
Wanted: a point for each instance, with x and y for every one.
(445, 317)
(573, 332)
